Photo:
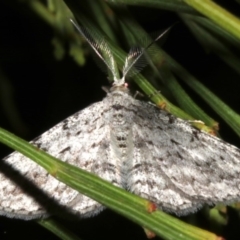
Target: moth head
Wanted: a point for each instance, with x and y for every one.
(119, 87)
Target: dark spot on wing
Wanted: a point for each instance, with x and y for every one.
(139, 144)
(65, 149)
(114, 182)
(87, 163)
(137, 166)
(171, 119)
(149, 143)
(168, 154)
(78, 132)
(195, 133)
(117, 107)
(160, 159)
(179, 155)
(174, 142)
(198, 164)
(150, 184)
(44, 149)
(94, 120)
(122, 145)
(38, 144)
(121, 138)
(104, 144)
(65, 125)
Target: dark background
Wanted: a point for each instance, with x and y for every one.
(40, 92)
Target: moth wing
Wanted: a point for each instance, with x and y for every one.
(80, 140)
(178, 167)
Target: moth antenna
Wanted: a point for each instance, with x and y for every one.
(101, 48)
(135, 62)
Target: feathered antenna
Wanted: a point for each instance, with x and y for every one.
(134, 61)
(101, 48)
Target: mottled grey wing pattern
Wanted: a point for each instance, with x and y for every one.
(129, 143)
(134, 145)
(71, 142)
(179, 167)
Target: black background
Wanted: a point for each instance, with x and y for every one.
(45, 91)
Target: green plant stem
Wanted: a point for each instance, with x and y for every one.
(123, 202)
(57, 229)
(170, 5)
(218, 14)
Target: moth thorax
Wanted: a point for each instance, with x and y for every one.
(121, 88)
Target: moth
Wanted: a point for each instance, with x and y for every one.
(133, 145)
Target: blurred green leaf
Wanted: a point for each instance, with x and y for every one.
(218, 14)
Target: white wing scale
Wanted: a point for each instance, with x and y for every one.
(72, 143)
(179, 167)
